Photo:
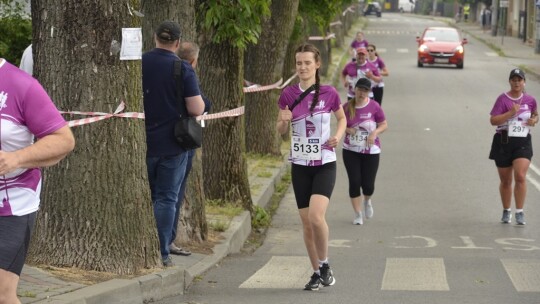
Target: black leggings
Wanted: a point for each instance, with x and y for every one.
(362, 170)
(377, 94)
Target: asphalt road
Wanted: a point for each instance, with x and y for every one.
(436, 235)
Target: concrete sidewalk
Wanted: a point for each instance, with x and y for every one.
(37, 286)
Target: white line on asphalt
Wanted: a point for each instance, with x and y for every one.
(297, 270)
(523, 274)
(415, 274)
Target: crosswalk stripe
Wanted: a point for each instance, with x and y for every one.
(297, 270)
(524, 274)
(415, 274)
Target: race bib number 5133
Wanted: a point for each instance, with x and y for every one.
(307, 148)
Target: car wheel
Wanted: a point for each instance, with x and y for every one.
(379, 15)
(460, 65)
(420, 64)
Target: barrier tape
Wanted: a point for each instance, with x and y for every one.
(98, 116)
(329, 36)
(335, 23)
(348, 9)
(277, 85)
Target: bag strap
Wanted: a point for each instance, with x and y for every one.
(180, 102)
(304, 94)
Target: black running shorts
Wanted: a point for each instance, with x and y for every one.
(15, 232)
(309, 180)
(505, 149)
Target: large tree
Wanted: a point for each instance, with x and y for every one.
(192, 226)
(226, 28)
(96, 212)
(264, 65)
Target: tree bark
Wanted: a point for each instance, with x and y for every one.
(264, 65)
(224, 162)
(192, 225)
(96, 212)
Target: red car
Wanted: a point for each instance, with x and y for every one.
(441, 45)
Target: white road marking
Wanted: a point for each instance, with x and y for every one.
(524, 274)
(415, 274)
(281, 272)
(402, 50)
(491, 54)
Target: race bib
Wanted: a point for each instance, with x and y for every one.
(306, 148)
(517, 129)
(359, 138)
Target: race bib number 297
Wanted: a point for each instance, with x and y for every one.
(307, 148)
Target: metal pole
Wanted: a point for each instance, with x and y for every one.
(495, 18)
(537, 48)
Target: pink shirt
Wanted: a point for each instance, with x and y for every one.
(307, 124)
(365, 119)
(26, 111)
(503, 104)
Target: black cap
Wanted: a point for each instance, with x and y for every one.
(168, 30)
(517, 72)
(363, 83)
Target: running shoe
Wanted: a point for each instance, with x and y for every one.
(167, 262)
(507, 216)
(520, 218)
(368, 209)
(327, 276)
(313, 283)
(358, 220)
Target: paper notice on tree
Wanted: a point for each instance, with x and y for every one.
(131, 48)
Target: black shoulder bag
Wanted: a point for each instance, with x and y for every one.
(187, 131)
(304, 94)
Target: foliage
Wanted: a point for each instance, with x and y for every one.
(16, 36)
(321, 12)
(237, 21)
(260, 218)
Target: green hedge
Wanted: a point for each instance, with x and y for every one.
(16, 36)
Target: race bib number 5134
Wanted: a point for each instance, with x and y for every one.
(307, 148)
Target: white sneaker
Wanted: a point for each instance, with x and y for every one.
(368, 209)
(358, 220)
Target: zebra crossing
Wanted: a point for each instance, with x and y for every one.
(400, 274)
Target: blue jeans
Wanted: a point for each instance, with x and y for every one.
(181, 193)
(165, 175)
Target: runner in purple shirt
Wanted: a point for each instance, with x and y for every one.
(358, 41)
(33, 134)
(313, 155)
(361, 68)
(362, 147)
(375, 59)
(514, 113)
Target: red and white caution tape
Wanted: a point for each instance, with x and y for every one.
(259, 88)
(97, 116)
(335, 23)
(349, 9)
(278, 85)
(230, 113)
(329, 36)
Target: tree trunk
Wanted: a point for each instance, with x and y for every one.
(192, 226)
(96, 212)
(264, 65)
(224, 162)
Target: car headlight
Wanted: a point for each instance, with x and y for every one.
(423, 49)
(459, 49)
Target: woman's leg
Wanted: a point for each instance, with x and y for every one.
(520, 166)
(309, 238)
(505, 186)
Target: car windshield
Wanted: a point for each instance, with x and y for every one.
(441, 35)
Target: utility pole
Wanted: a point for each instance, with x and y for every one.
(494, 17)
(537, 44)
